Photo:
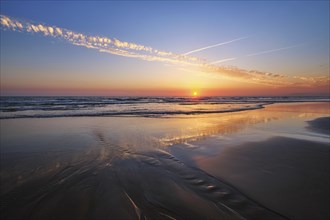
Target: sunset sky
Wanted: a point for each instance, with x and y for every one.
(165, 48)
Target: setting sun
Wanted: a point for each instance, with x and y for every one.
(173, 109)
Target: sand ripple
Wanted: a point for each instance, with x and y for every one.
(118, 183)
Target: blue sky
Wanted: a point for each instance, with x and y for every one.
(179, 27)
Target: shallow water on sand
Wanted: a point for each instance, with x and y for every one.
(135, 167)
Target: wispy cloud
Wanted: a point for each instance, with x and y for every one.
(273, 50)
(128, 49)
(215, 45)
(103, 44)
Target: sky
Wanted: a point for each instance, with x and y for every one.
(164, 48)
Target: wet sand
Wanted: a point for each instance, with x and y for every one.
(287, 175)
(125, 185)
(320, 125)
(227, 166)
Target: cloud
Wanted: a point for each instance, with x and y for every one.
(128, 49)
(58, 31)
(215, 45)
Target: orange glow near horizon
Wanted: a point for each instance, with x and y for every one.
(80, 90)
(83, 72)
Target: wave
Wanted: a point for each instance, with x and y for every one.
(40, 107)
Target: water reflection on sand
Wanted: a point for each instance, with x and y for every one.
(86, 167)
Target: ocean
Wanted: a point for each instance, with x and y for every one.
(165, 158)
(69, 106)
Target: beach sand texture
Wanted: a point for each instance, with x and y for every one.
(270, 163)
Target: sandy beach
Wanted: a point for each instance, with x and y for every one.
(164, 110)
(270, 163)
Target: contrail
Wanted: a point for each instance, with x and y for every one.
(133, 50)
(215, 45)
(224, 60)
(103, 44)
(273, 50)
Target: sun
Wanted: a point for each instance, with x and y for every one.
(195, 93)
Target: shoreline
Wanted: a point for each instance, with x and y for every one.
(231, 166)
(164, 114)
